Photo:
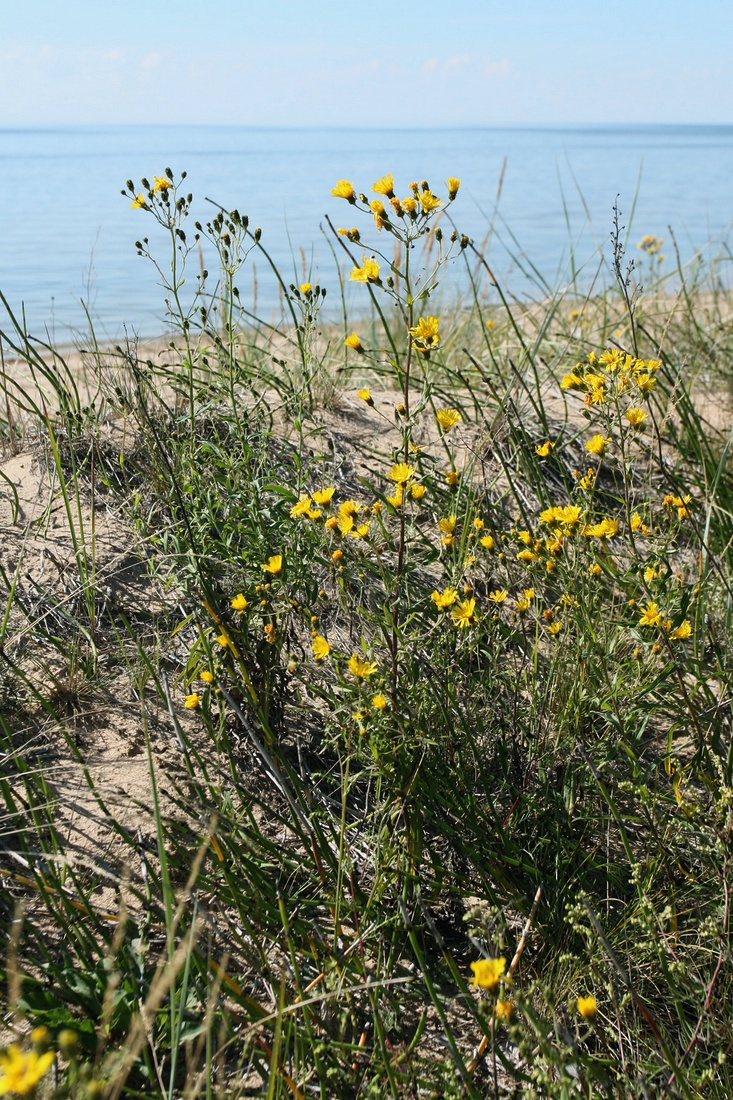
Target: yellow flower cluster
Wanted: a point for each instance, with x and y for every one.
(610, 374)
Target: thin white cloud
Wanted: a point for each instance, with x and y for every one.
(153, 60)
(456, 64)
(497, 68)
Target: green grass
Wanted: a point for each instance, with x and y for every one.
(330, 834)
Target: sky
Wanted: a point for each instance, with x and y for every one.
(345, 64)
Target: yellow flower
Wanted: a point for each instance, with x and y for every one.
(425, 334)
(320, 646)
(302, 508)
(571, 381)
(344, 190)
(446, 598)
(606, 529)
(367, 273)
(359, 668)
(161, 183)
(22, 1070)
(417, 491)
(273, 564)
(635, 417)
(488, 972)
(384, 185)
(447, 525)
(452, 184)
(223, 640)
(270, 634)
(597, 444)
(594, 569)
(401, 472)
(487, 541)
(448, 418)
(305, 288)
(353, 342)
(409, 204)
(206, 676)
(192, 701)
(365, 395)
(650, 615)
(554, 628)
(337, 555)
(428, 201)
(139, 201)
(359, 532)
(683, 630)
(379, 702)
(503, 1010)
(239, 603)
(464, 614)
(397, 497)
(543, 449)
(527, 555)
(323, 496)
(451, 477)
(587, 1007)
(498, 595)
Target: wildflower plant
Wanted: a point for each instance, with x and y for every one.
(434, 718)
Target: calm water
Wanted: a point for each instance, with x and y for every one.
(67, 234)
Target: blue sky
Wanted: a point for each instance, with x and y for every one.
(348, 64)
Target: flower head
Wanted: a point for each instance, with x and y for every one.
(239, 603)
(365, 395)
(367, 273)
(587, 1007)
(353, 342)
(192, 701)
(635, 417)
(464, 614)
(139, 201)
(359, 668)
(488, 972)
(596, 445)
(417, 491)
(323, 496)
(20, 1071)
(543, 449)
(684, 630)
(446, 598)
(273, 564)
(448, 418)
(306, 289)
(379, 702)
(384, 185)
(344, 190)
(401, 473)
(425, 334)
(650, 615)
(452, 184)
(161, 183)
(498, 595)
(503, 1010)
(320, 647)
(429, 201)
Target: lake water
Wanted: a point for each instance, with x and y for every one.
(67, 234)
